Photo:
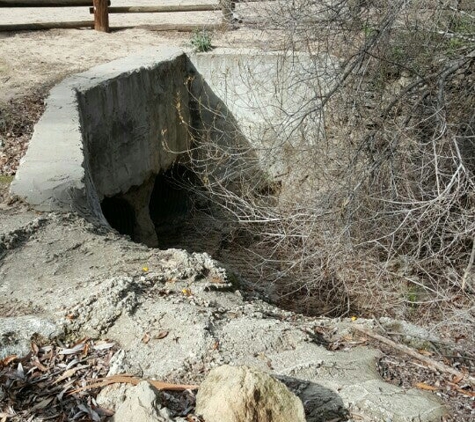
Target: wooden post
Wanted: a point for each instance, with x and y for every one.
(101, 15)
(227, 9)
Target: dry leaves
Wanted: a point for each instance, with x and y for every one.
(40, 385)
(16, 126)
(146, 338)
(60, 383)
(160, 335)
(457, 394)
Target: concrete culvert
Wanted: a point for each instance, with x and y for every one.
(111, 144)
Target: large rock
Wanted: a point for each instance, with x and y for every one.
(243, 394)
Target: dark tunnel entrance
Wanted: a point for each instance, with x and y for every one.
(120, 215)
(170, 200)
(183, 216)
(172, 204)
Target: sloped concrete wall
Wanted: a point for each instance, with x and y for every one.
(131, 124)
(105, 131)
(111, 129)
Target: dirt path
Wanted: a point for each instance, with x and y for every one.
(33, 59)
(31, 62)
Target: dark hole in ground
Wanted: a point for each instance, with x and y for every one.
(173, 207)
(171, 203)
(119, 214)
(186, 217)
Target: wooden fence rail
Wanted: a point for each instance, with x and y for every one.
(46, 25)
(45, 3)
(162, 9)
(101, 10)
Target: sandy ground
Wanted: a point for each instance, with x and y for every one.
(30, 60)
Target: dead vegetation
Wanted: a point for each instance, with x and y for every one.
(61, 382)
(378, 215)
(41, 384)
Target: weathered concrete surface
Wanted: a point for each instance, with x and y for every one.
(114, 127)
(17, 333)
(133, 117)
(259, 87)
(104, 131)
(93, 283)
(254, 97)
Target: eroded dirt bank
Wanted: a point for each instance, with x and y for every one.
(83, 281)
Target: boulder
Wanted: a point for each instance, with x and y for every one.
(244, 394)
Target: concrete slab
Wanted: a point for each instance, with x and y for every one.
(103, 131)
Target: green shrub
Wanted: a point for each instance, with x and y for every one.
(201, 41)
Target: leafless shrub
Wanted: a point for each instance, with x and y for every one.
(377, 215)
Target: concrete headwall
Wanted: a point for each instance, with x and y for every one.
(105, 131)
(112, 129)
(268, 98)
(130, 122)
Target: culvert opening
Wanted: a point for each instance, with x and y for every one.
(170, 201)
(174, 204)
(120, 215)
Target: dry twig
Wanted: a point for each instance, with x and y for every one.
(431, 363)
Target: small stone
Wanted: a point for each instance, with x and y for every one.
(142, 404)
(243, 394)
(112, 396)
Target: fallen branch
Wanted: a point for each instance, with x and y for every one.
(129, 379)
(431, 363)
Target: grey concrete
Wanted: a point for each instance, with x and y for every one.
(95, 285)
(114, 127)
(105, 131)
(263, 104)
(108, 131)
(17, 333)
